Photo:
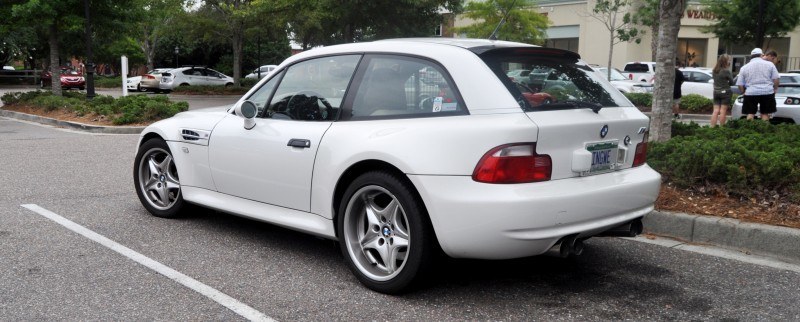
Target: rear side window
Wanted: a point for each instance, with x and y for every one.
(400, 87)
(558, 80)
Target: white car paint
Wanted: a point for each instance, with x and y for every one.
(254, 173)
(623, 84)
(698, 81)
(133, 83)
(265, 70)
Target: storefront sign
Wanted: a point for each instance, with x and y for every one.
(699, 14)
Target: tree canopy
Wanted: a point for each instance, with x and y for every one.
(522, 24)
(750, 21)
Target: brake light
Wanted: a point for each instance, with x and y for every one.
(148, 76)
(640, 157)
(792, 101)
(513, 163)
(630, 76)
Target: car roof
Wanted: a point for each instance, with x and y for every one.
(422, 46)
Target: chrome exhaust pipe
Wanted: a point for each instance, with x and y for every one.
(629, 229)
(569, 245)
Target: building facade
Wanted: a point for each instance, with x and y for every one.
(573, 28)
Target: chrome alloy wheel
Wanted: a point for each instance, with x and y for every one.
(376, 233)
(158, 179)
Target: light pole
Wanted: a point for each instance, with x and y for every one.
(177, 49)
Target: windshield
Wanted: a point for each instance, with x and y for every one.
(615, 75)
(558, 80)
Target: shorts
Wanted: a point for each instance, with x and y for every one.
(676, 101)
(765, 104)
(722, 98)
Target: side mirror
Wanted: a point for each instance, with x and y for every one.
(248, 111)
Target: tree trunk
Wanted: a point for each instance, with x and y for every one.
(238, 42)
(55, 69)
(149, 48)
(654, 43)
(610, 54)
(670, 22)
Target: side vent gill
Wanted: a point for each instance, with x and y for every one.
(195, 136)
(190, 135)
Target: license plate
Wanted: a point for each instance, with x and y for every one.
(604, 155)
(165, 80)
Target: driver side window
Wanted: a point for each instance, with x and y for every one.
(312, 90)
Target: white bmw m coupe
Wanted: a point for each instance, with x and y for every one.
(349, 143)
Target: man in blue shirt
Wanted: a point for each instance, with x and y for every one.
(761, 77)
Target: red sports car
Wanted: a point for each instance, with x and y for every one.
(533, 97)
(69, 79)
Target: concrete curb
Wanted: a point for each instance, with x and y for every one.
(73, 125)
(691, 117)
(759, 239)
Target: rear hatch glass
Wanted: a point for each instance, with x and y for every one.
(637, 68)
(558, 80)
(580, 116)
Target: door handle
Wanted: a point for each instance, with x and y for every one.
(299, 143)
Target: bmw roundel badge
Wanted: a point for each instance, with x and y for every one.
(604, 131)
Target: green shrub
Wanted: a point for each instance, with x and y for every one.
(640, 99)
(696, 103)
(123, 110)
(108, 82)
(210, 90)
(248, 82)
(684, 129)
(743, 157)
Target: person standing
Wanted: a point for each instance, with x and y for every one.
(723, 79)
(762, 78)
(676, 92)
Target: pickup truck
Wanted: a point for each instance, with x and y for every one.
(640, 71)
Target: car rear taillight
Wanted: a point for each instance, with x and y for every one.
(630, 76)
(640, 157)
(792, 101)
(513, 163)
(148, 76)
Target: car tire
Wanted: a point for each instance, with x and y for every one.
(384, 232)
(156, 180)
(81, 88)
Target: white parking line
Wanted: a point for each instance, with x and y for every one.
(234, 305)
(718, 252)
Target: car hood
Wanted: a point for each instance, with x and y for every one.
(199, 119)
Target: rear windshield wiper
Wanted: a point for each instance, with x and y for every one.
(595, 107)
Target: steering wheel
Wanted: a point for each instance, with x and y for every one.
(310, 95)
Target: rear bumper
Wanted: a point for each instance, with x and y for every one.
(494, 221)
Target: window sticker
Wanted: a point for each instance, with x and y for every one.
(446, 107)
(437, 104)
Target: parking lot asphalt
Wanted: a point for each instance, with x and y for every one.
(776, 242)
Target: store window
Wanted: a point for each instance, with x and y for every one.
(570, 44)
(692, 52)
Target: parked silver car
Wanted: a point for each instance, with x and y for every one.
(193, 76)
(264, 70)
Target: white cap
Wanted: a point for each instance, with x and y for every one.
(756, 51)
